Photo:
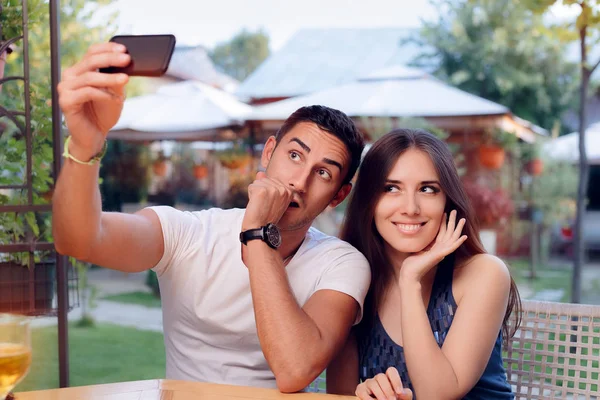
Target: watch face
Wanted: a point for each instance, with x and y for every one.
(273, 236)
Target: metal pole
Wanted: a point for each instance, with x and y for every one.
(61, 261)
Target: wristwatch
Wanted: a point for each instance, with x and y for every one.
(268, 234)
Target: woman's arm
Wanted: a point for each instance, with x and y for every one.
(453, 370)
(342, 372)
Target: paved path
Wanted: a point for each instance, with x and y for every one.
(110, 282)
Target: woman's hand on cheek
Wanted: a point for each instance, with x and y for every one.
(447, 241)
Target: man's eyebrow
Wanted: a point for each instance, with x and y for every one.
(332, 162)
(301, 143)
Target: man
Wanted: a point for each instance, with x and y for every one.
(250, 297)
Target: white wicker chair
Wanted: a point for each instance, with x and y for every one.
(555, 354)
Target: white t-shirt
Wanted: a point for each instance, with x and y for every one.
(209, 325)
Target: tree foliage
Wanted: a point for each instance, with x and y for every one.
(240, 56)
(76, 35)
(497, 49)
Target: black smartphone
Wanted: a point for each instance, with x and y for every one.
(150, 54)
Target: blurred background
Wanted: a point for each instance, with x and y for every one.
(506, 84)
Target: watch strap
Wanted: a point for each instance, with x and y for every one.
(251, 234)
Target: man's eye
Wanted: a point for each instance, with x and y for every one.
(324, 173)
(294, 155)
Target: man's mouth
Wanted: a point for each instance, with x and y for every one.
(294, 204)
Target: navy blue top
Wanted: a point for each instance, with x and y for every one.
(377, 351)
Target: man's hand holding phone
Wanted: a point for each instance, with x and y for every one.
(92, 101)
(92, 92)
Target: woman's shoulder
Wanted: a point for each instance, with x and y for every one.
(482, 270)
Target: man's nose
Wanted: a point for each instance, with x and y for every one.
(299, 180)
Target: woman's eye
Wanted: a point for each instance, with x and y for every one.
(390, 188)
(429, 189)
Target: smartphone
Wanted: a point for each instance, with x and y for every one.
(150, 54)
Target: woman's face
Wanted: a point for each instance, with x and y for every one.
(410, 209)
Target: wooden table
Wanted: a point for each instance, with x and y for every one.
(160, 389)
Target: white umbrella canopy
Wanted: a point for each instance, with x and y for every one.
(188, 109)
(566, 147)
(396, 91)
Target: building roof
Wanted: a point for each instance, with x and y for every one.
(184, 110)
(566, 147)
(396, 91)
(317, 59)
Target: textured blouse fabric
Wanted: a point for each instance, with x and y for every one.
(378, 352)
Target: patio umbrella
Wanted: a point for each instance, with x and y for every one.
(187, 110)
(401, 91)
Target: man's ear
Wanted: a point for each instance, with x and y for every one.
(341, 194)
(267, 152)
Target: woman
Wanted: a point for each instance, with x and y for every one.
(438, 305)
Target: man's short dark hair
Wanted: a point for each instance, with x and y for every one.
(334, 122)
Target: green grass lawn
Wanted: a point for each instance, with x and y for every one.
(547, 278)
(100, 354)
(140, 298)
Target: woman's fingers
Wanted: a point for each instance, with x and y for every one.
(368, 389)
(458, 230)
(395, 380)
(386, 386)
(362, 392)
(442, 231)
(407, 394)
(451, 224)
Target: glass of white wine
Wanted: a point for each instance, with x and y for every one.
(15, 351)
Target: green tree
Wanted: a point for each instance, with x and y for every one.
(585, 30)
(76, 35)
(240, 56)
(496, 49)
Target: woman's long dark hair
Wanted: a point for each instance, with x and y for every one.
(359, 227)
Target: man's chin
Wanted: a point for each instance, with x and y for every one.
(289, 222)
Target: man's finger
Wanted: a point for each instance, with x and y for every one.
(260, 175)
(101, 60)
(95, 79)
(105, 47)
(80, 96)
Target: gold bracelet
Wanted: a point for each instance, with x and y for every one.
(94, 160)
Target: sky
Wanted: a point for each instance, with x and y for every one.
(211, 22)
(208, 23)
